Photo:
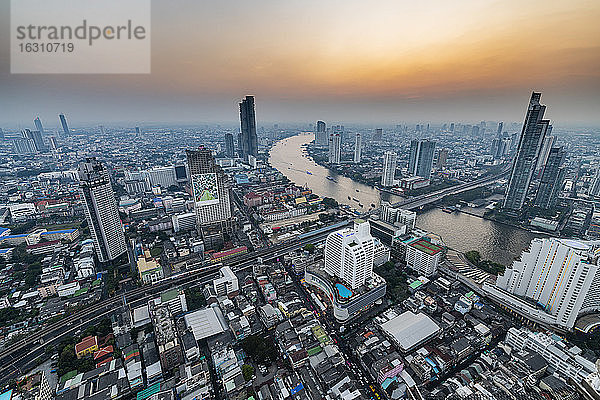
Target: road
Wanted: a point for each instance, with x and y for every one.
(21, 356)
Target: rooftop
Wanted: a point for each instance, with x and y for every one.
(410, 330)
(426, 246)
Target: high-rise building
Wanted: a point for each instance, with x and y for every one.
(389, 169)
(211, 191)
(552, 179)
(248, 140)
(528, 151)
(65, 126)
(229, 146)
(349, 254)
(452, 127)
(357, 149)
(393, 215)
(24, 146)
(378, 136)
(500, 127)
(38, 125)
(321, 138)
(101, 210)
(421, 158)
(548, 143)
(442, 159)
(36, 136)
(161, 176)
(335, 148)
(53, 144)
(137, 130)
(561, 276)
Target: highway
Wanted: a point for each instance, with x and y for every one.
(21, 356)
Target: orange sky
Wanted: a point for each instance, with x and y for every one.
(310, 55)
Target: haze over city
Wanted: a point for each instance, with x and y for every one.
(353, 61)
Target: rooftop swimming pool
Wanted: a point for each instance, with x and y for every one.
(343, 291)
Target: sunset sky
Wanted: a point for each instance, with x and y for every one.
(349, 61)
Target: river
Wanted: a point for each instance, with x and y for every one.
(463, 232)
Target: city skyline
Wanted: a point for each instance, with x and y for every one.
(467, 62)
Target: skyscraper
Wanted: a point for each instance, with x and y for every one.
(38, 125)
(65, 126)
(357, 149)
(229, 146)
(53, 145)
(548, 143)
(389, 169)
(500, 127)
(559, 275)
(442, 159)
(421, 158)
(551, 181)
(378, 136)
(248, 140)
(321, 138)
(528, 151)
(101, 210)
(595, 187)
(211, 192)
(349, 254)
(335, 148)
(36, 136)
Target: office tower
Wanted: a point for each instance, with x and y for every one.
(24, 146)
(65, 126)
(357, 149)
(528, 151)
(548, 143)
(349, 254)
(475, 130)
(496, 143)
(101, 210)
(53, 145)
(321, 138)
(181, 174)
(36, 136)
(227, 283)
(442, 159)
(500, 127)
(211, 193)
(161, 176)
(38, 125)
(101, 130)
(595, 187)
(559, 275)
(1, 134)
(378, 136)
(137, 130)
(248, 140)
(389, 169)
(393, 215)
(229, 146)
(452, 127)
(335, 148)
(552, 179)
(421, 158)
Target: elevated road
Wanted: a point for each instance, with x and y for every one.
(21, 356)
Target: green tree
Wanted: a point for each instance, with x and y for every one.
(247, 371)
(309, 247)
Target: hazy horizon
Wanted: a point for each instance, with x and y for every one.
(383, 62)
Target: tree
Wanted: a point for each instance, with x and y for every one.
(330, 202)
(247, 371)
(194, 298)
(309, 247)
(261, 349)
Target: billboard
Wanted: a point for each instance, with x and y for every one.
(205, 189)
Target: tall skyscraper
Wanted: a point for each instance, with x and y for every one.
(452, 127)
(357, 149)
(378, 136)
(65, 126)
(229, 146)
(211, 191)
(500, 127)
(335, 148)
(101, 210)
(389, 169)
(559, 275)
(36, 136)
(528, 151)
(53, 144)
(349, 254)
(421, 158)
(248, 140)
(38, 125)
(552, 179)
(548, 143)
(321, 138)
(442, 159)
(24, 146)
